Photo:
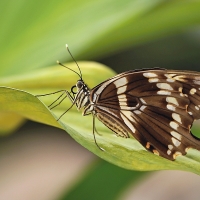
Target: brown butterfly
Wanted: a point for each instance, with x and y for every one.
(156, 106)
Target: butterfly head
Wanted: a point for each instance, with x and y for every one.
(80, 85)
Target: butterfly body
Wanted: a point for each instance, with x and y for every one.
(156, 106)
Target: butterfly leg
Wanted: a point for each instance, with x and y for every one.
(51, 105)
(97, 131)
(40, 95)
(93, 131)
(85, 114)
(73, 100)
(67, 95)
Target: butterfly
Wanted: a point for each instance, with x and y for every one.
(156, 106)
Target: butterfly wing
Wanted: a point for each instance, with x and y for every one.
(156, 106)
(191, 88)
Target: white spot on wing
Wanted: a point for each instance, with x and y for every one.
(169, 152)
(170, 80)
(171, 107)
(174, 125)
(196, 107)
(121, 82)
(197, 82)
(124, 102)
(176, 142)
(180, 89)
(149, 75)
(164, 86)
(176, 135)
(193, 91)
(137, 112)
(142, 108)
(163, 92)
(122, 96)
(177, 117)
(153, 80)
(172, 100)
(169, 75)
(126, 116)
(190, 113)
(170, 147)
(143, 101)
(180, 78)
(121, 90)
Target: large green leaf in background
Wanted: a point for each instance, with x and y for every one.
(33, 33)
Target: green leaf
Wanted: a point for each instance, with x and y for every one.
(32, 35)
(126, 153)
(113, 187)
(9, 122)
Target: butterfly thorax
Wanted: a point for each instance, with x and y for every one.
(81, 98)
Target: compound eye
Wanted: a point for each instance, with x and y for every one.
(79, 84)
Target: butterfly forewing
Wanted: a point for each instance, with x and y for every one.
(155, 106)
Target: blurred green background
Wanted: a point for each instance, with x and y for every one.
(41, 162)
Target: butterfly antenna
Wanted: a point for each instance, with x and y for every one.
(74, 61)
(69, 69)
